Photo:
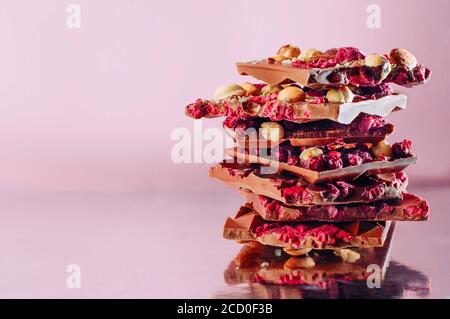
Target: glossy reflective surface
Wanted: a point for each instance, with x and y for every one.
(169, 245)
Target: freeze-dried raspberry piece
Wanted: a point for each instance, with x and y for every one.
(345, 188)
(198, 109)
(316, 164)
(366, 123)
(297, 193)
(353, 160)
(348, 54)
(373, 193)
(231, 122)
(332, 192)
(333, 160)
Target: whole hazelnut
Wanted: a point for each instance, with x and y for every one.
(299, 263)
(251, 88)
(382, 148)
(290, 51)
(271, 89)
(311, 152)
(403, 57)
(272, 131)
(376, 60)
(340, 95)
(291, 94)
(224, 91)
(309, 54)
(297, 252)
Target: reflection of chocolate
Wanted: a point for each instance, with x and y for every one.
(268, 265)
(264, 272)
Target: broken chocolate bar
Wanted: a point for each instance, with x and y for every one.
(250, 226)
(283, 73)
(269, 107)
(294, 191)
(337, 67)
(257, 263)
(312, 176)
(364, 129)
(410, 208)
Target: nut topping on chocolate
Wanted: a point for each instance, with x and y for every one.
(347, 255)
(271, 89)
(299, 263)
(289, 51)
(340, 95)
(375, 61)
(277, 58)
(225, 91)
(272, 131)
(310, 54)
(334, 182)
(403, 57)
(291, 94)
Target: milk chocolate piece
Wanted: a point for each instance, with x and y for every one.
(249, 226)
(410, 208)
(294, 191)
(364, 129)
(355, 74)
(313, 177)
(333, 136)
(279, 73)
(244, 107)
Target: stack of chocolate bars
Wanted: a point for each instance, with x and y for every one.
(311, 159)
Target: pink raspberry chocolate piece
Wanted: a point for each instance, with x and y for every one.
(402, 149)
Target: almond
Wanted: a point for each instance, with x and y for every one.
(225, 91)
(290, 51)
(382, 148)
(251, 88)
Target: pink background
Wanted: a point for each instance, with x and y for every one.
(93, 109)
